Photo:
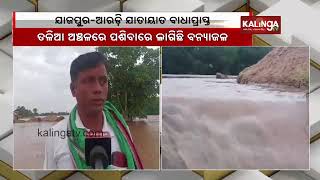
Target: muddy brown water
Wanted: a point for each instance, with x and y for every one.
(146, 138)
(29, 148)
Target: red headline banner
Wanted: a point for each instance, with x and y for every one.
(130, 37)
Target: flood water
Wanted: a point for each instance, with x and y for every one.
(213, 123)
(29, 147)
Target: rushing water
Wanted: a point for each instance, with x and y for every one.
(227, 88)
(213, 123)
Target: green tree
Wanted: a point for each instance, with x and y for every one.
(133, 74)
(22, 111)
(35, 111)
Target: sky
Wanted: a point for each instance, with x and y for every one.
(42, 78)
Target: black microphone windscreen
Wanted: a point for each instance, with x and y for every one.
(98, 150)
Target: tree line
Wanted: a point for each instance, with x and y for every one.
(23, 112)
(210, 60)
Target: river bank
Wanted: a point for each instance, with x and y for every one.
(49, 118)
(283, 66)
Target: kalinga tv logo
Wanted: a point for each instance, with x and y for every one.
(261, 24)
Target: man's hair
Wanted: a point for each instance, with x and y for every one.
(86, 61)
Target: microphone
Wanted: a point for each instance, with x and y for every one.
(98, 149)
(119, 159)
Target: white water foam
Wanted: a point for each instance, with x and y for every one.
(219, 124)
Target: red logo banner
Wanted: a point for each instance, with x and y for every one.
(261, 24)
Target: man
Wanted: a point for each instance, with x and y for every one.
(89, 85)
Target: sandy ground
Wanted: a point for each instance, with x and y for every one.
(214, 131)
(283, 65)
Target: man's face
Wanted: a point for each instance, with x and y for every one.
(91, 88)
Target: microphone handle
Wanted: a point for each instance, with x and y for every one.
(98, 164)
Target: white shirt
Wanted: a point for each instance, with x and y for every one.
(57, 153)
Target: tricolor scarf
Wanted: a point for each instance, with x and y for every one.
(121, 130)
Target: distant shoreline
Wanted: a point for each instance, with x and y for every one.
(194, 76)
(49, 118)
(280, 87)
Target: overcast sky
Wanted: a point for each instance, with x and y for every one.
(41, 77)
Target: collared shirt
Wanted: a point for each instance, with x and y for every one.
(57, 153)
